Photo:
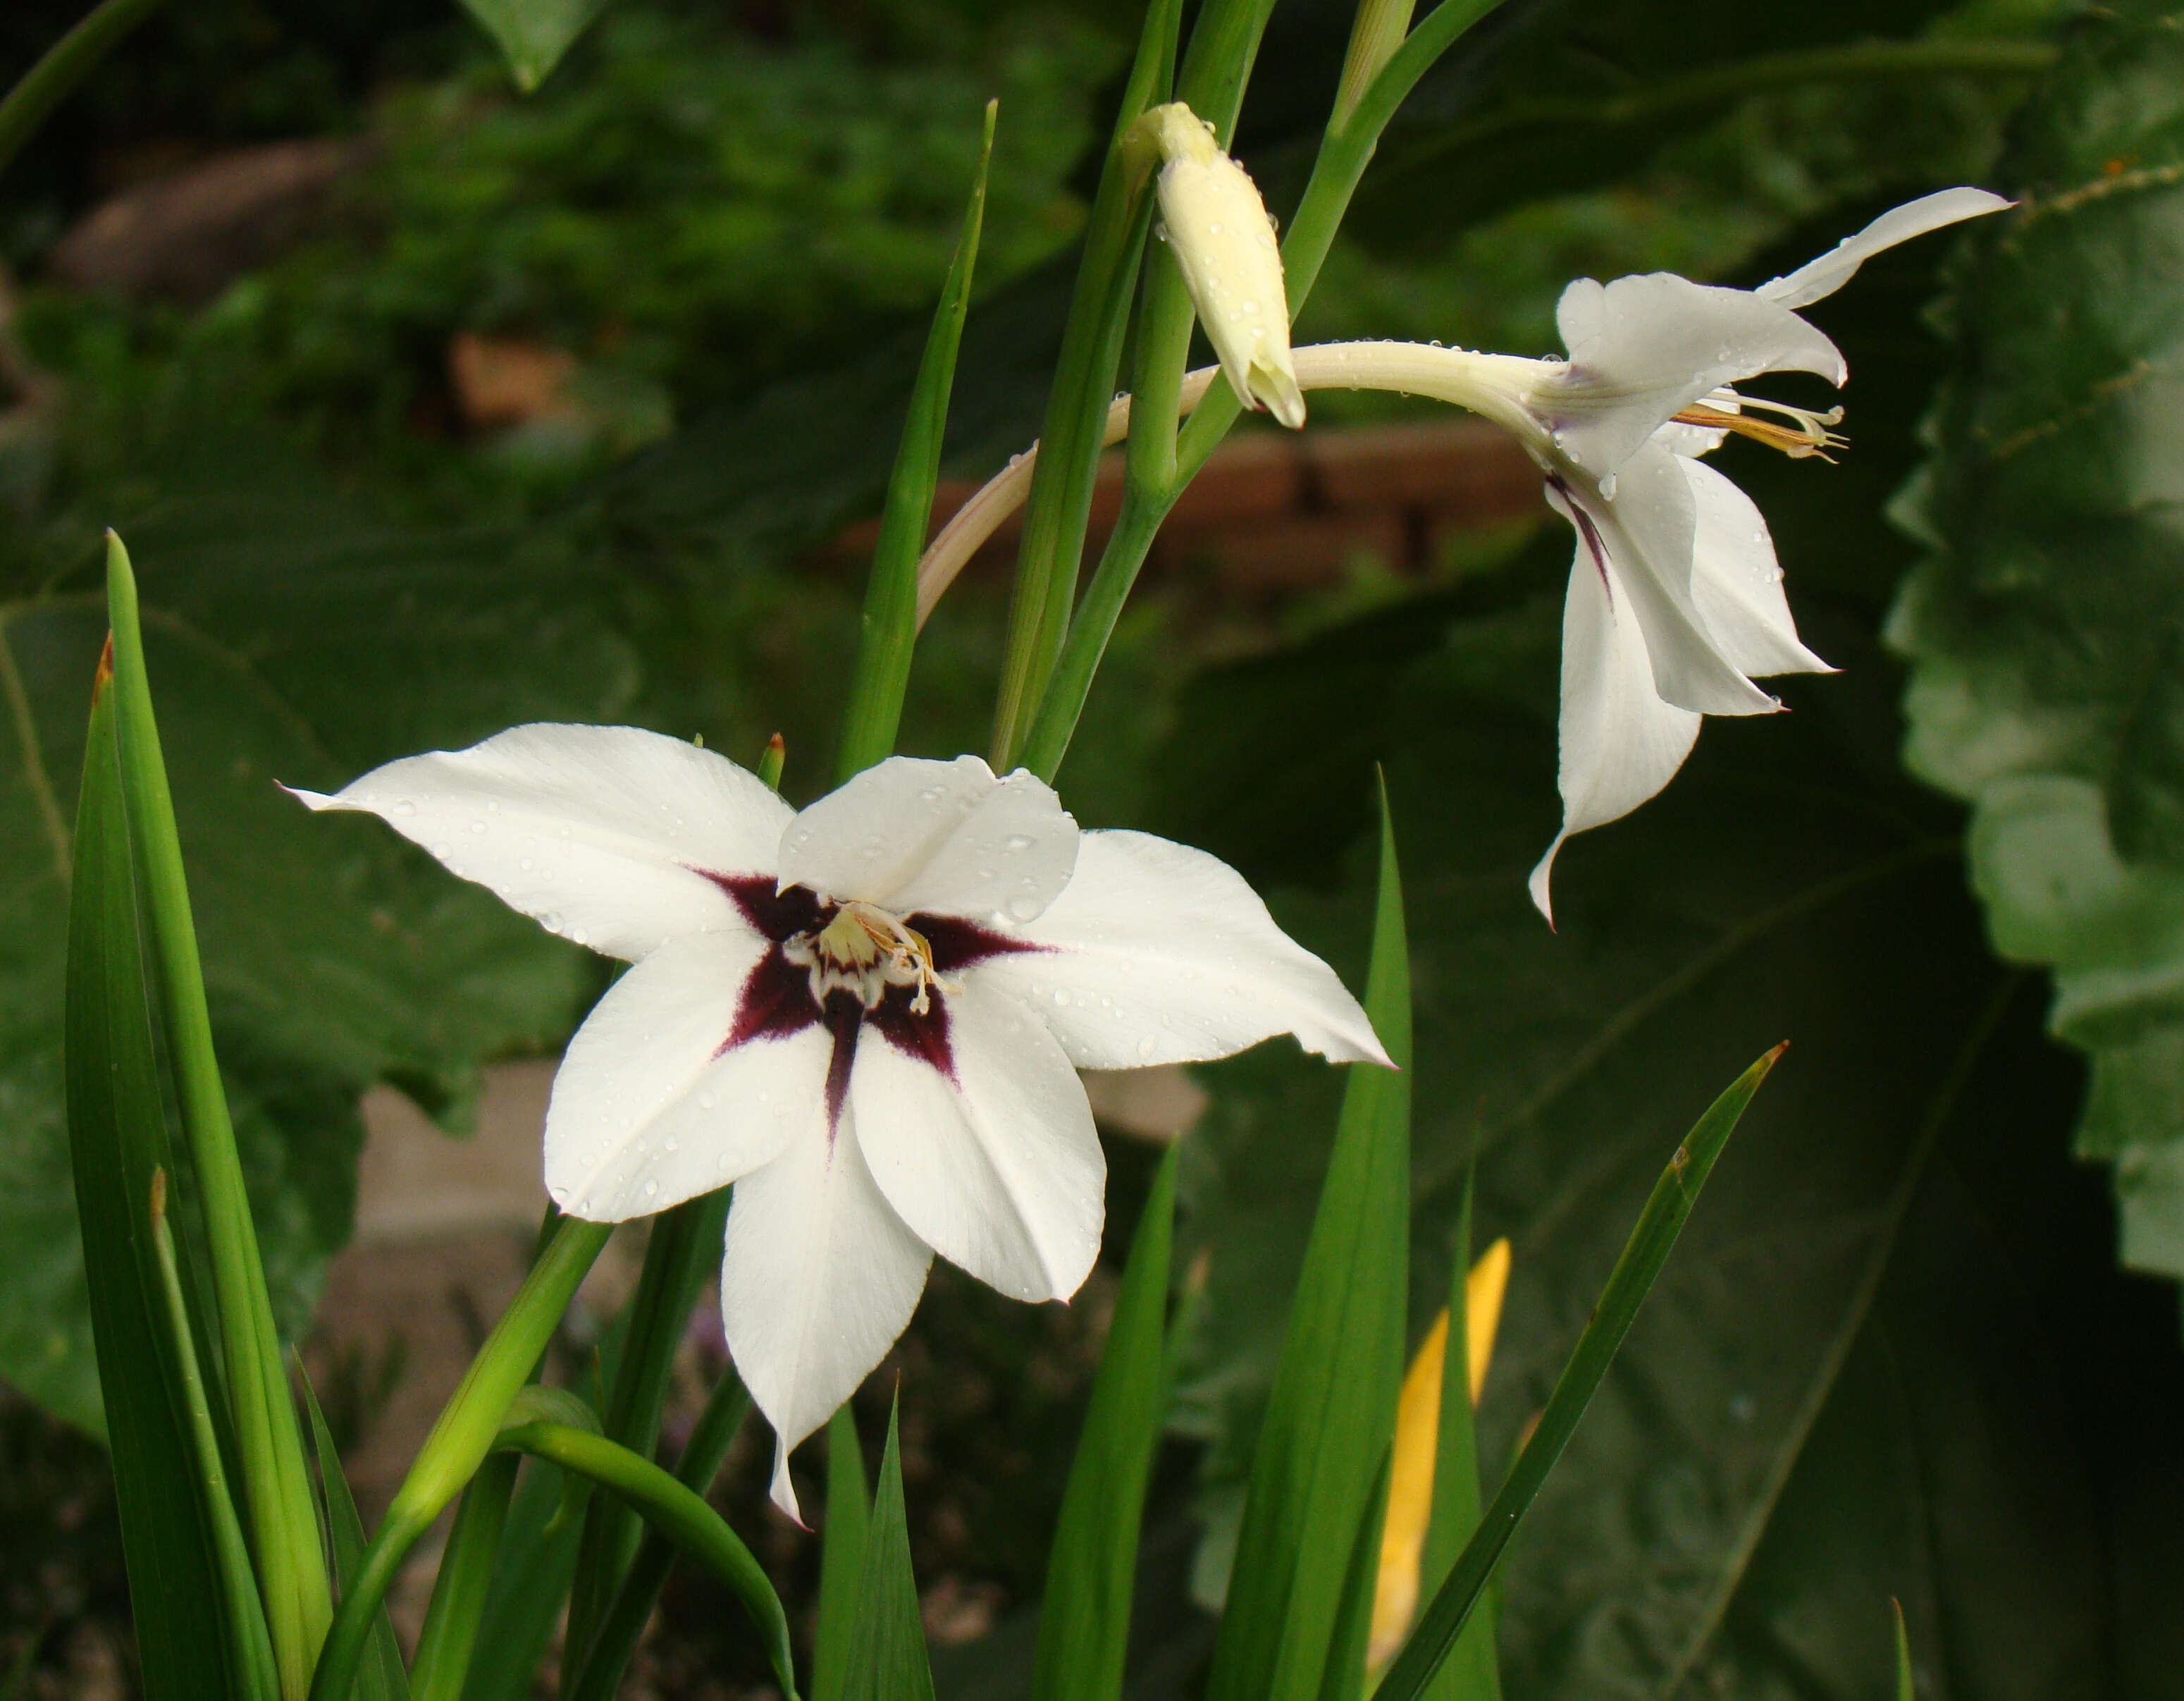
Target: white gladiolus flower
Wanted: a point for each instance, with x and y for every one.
(1224, 244)
(868, 1015)
(1675, 601)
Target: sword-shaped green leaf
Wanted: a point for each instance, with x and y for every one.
(841, 1557)
(381, 1677)
(887, 1657)
(1643, 1256)
(117, 1143)
(1332, 1414)
(1084, 1620)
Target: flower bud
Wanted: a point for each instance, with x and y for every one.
(1217, 226)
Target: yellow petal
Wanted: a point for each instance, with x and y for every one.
(1418, 1436)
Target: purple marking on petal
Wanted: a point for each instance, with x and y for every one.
(924, 1038)
(777, 915)
(958, 944)
(843, 1016)
(776, 1002)
(1587, 531)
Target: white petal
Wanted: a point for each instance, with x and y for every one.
(1736, 585)
(648, 1111)
(594, 831)
(1649, 532)
(1004, 862)
(999, 1171)
(866, 838)
(1161, 954)
(1641, 348)
(1833, 269)
(1621, 743)
(819, 1279)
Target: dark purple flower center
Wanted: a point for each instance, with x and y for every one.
(846, 967)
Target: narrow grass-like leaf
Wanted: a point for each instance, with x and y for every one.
(117, 1143)
(275, 1486)
(623, 1623)
(1085, 1620)
(678, 1512)
(1331, 1413)
(685, 1243)
(1473, 1672)
(530, 1582)
(1905, 1689)
(888, 630)
(244, 1621)
(841, 1556)
(1644, 1253)
(1059, 505)
(464, 1585)
(382, 1678)
(888, 1660)
(1344, 1680)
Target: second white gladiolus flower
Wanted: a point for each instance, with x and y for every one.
(868, 1015)
(1224, 242)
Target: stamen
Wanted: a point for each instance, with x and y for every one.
(865, 949)
(1808, 432)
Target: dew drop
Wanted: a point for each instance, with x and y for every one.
(1062, 995)
(705, 1101)
(403, 806)
(477, 827)
(1146, 1046)
(651, 1188)
(1019, 842)
(439, 848)
(1023, 906)
(670, 1143)
(551, 921)
(560, 1195)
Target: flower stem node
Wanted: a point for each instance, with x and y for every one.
(867, 1015)
(1224, 242)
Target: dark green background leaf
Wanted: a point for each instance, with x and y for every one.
(2047, 627)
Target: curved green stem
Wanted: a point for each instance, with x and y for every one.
(624, 1618)
(67, 63)
(459, 1441)
(678, 1512)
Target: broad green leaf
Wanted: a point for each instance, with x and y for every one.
(331, 959)
(843, 1544)
(1084, 1615)
(118, 1137)
(1331, 1412)
(382, 1678)
(887, 1659)
(2044, 626)
(532, 35)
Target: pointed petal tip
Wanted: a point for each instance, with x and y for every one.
(1538, 884)
(1275, 389)
(311, 800)
(783, 1492)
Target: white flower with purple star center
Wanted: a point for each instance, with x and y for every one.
(867, 1015)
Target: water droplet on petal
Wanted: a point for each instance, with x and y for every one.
(1019, 841)
(477, 827)
(1146, 1046)
(651, 1188)
(705, 1101)
(439, 848)
(1024, 907)
(403, 806)
(670, 1143)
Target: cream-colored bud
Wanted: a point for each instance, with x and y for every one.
(1217, 226)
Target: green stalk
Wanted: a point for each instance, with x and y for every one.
(1059, 503)
(244, 1621)
(624, 1620)
(888, 633)
(65, 63)
(678, 1512)
(459, 1440)
(1643, 1256)
(686, 1241)
(283, 1525)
